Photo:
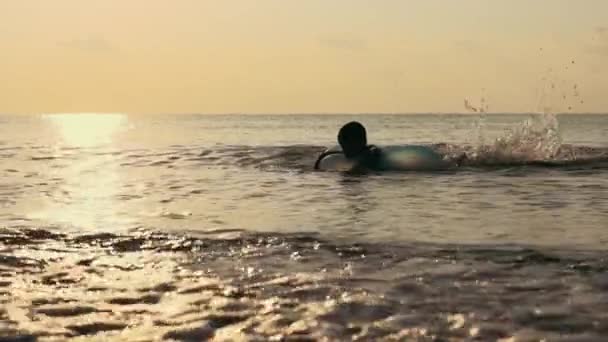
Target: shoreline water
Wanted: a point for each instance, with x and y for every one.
(242, 286)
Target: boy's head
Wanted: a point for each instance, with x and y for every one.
(353, 139)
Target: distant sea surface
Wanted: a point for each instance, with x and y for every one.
(512, 244)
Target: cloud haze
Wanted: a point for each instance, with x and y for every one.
(343, 43)
(599, 44)
(89, 44)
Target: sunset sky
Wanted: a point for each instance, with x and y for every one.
(309, 56)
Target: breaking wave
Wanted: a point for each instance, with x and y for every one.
(536, 142)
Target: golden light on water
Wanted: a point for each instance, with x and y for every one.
(86, 196)
(86, 130)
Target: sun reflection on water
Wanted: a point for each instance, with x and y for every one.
(90, 182)
(86, 130)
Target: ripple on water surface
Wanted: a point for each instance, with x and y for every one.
(293, 287)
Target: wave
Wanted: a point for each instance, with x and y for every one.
(302, 157)
(536, 142)
(504, 153)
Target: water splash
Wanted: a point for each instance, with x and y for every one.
(536, 139)
(479, 124)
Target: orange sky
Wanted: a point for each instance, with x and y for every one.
(284, 56)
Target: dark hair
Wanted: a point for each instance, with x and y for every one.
(352, 138)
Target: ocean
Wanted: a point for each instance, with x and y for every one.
(192, 227)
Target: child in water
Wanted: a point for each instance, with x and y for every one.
(353, 141)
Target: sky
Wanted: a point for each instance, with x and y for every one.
(308, 56)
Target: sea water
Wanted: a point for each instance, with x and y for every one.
(199, 226)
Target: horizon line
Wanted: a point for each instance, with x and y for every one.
(306, 113)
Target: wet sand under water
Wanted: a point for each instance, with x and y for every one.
(232, 286)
